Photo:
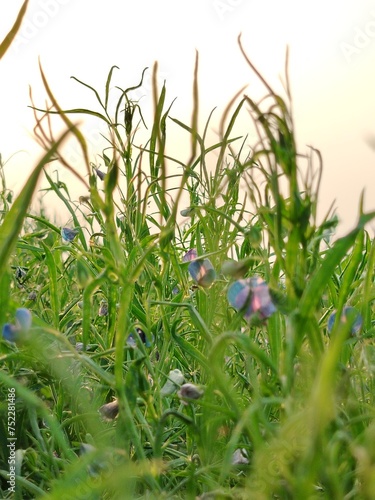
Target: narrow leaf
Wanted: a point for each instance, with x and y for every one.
(5, 44)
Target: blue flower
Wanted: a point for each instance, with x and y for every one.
(203, 272)
(252, 296)
(201, 269)
(13, 332)
(349, 314)
(23, 319)
(10, 332)
(68, 234)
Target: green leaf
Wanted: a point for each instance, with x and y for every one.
(53, 287)
(5, 44)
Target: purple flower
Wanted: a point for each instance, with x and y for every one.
(252, 296)
(99, 173)
(192, 254)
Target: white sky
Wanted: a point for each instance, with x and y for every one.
(332, 71)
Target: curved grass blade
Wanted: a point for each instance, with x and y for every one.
(78, 134)
(5, 44)
(107, 84)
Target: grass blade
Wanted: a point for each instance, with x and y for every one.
(5, 44)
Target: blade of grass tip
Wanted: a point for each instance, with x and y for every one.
(319, 180)
(202, 157)
(5, 44)
(135, 87)
(89, 87)
(13, 220)
(158, 101)
(253, 67)
(157, 142)
(194, 118)
(66, 120)
(107, 84)
(226, 112)
(194, 127)
(225, 135)
(288, 111)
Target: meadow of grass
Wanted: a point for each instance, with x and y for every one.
(135, 380)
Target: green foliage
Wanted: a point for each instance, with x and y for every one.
(287, 409)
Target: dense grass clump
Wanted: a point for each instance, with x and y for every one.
(193, 355)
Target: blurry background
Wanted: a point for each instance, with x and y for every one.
(331, 68)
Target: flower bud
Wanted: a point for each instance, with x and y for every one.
(190, 391)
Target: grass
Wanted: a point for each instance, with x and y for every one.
(287, 409)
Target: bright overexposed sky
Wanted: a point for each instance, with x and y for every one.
(332, 72)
